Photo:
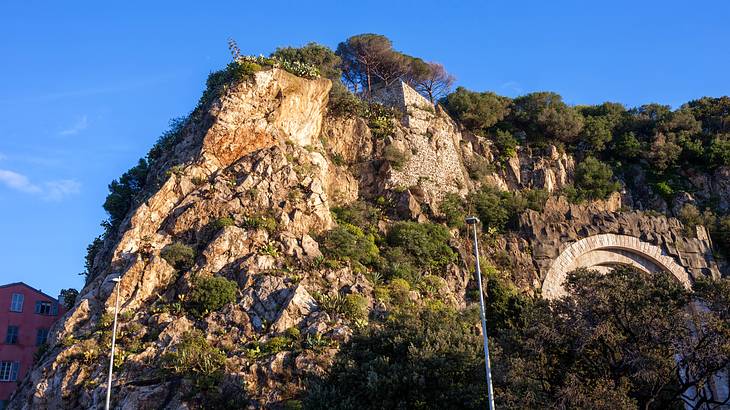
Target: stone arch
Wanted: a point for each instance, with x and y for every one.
(604, 251)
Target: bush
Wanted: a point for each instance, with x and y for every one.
(452, 206)
(476, 111)
(209, 294)
(396, 157)
(545, 115)
(124, 191)
(494, 207)
(380, 120)
(478, 167)
(360, 214)
(221, 223)
(425, 244)
(507, 145)
(596, 134)
(627, 146)
(313, 55)
(195, 359)
(593, 180)
(343, 103)
(428, 358)
(348, 242)
(720, 152)
(260, 222)
(356, 307)
(178, 255)
(664, 190)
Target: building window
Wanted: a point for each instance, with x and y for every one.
(41, 337)
(11, 337)
(16, 304)
(43, 308)
(9, 371)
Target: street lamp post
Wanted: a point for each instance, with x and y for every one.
(473, 221)
(117, 281)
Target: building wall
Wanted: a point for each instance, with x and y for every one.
(28, 323)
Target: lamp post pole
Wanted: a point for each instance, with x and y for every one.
(117, 281)
(473, 221)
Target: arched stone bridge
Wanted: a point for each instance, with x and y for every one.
(564, 237)
(604, 251)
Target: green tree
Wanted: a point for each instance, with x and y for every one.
(596, 134)
(68, 297)
(719, 152)
(594, 180)
(426, 244)
(430, 359)
(627, 331)
(545, 115)
(476, 111)
(367, 59)
(124, 191)
(627, 146)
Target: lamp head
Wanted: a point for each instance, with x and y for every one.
(117, 279)
(471, 220)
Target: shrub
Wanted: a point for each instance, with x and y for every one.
(356, 307)
(395, 156)
(360, 214)
(665, 190)
(209, 294)
(194, 358)
(720, 152)
(343, 103)
(596, 134)
(478, 167)
(167, 141)
(260, 222)
(427, 358)
(452, 206)
(506, 144)
(593, 180)
(312, 55)
(221, 223)
(476, 111)
(493, 206)
(627, 146)
(691, 217)
(380, 120)
(178, 255)
(545, 115)
(399, 292)
(425, 243)
(124, 191)
(348, 242)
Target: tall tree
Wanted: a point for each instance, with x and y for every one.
(430, 79)
(363, 56)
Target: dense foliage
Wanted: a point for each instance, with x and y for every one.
(209, 294)
(423, 359)
(619, 340)
(195, 359)
(179, 255)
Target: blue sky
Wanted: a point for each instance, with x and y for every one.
(86, 88)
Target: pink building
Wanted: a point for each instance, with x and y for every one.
(26, 315)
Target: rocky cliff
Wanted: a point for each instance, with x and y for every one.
(250, 188)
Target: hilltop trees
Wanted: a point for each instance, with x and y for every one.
(368, 60)
(476, 111)
(315, 55)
